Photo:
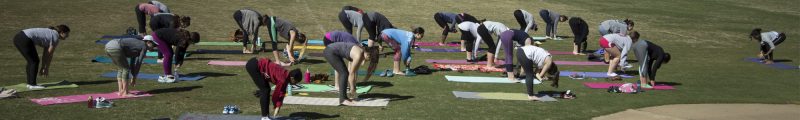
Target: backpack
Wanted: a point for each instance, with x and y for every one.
(596, 56)
(422, 69)
(625, 88)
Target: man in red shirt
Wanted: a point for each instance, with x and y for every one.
(264, 71)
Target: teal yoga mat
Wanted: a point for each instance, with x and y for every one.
(326, 88)
(23, 87)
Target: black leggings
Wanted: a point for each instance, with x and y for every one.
(487, 38)
(340, 66)
(27, 48)
(777, 41)
(520, 19)
(140, 17)
(530, 73)
(346, 22)
(581, 32)
(263, 86)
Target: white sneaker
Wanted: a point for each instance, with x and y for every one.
(160, 61)
(265, 118)
(31, 87)
(162, 79)
(170, 79)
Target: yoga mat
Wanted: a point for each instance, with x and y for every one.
(363, 102)
(85, 97)
(363, 72)
(591, 74)
(538, 38)
(227, 63)
(220, 43)
(444, 49)
(605, 85)
(298, 47)
(326, 88)
(23, 87)
(145, 76)
(475, 79)
(204, 51)
(774, 64)
(553, 52)
(500, 96)
(196, 116)
(445, 61)
(434, 44)
(468, 67)
(315, 42)
(155, 54)
(121, 36)
(101, 42)
(105, 59)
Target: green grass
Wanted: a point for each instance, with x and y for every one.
(706, 38)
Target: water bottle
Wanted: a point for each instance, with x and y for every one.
(307, 76)
(90, 103)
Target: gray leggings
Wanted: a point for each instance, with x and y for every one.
(122, 63)
(338, 64)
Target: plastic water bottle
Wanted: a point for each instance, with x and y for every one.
(307, 76)
(288, 90)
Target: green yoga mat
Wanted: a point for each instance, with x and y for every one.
(326, 88)
(23, 87)
(500, 96)
(155, 54)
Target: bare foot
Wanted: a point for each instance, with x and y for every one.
(768, 62)
(396, 73)
(348, 103)
(533, 98)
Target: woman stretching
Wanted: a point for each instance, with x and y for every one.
(47, 38)
(768, 42)
(482, 33)
(336, 53)
(530, 56)
(264, 71)
(165, 38)
(519, 37)
(248, 21)
(279, 27)
(525, 20)
(651, 57)
(128, 54)
(401, 42)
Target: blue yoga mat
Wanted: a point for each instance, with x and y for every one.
(315, 42)
(121, 36)
(591, 74)
(104, 59)
(101, 42)
(145, 76)
(774, 64)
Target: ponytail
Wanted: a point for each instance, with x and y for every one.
(60, 28)
(756, 33)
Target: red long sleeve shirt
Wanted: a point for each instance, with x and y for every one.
(276, 75)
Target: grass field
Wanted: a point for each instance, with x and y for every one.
(708, 41)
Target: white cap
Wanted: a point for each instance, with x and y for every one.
(149, 38)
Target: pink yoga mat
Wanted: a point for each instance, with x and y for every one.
(443, 61)
(559, 52)
(227, 63)
(605, 85)
(84, 98)
(436, 44)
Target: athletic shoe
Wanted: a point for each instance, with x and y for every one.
(265, 118)
(234, 109)
(384, 73)
(32, 87)
(160, 61)
(226, 110)
(410, 73)
(389, 73)
(170, 79)
(162, 79)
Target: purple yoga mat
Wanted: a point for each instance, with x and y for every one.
(84, 98)
(444, 61)
(605, 85)
(774, 64)
(591, 74)
(433, 44)
(440, 50)
(227, 63)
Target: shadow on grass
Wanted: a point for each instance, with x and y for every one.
(565, 36)
(376, 84)
(668, 83)
(781, 60)
(312, 115)
(203, 59)
(94, 82)
(391, 97)
(175, 89)
(211, 74)
(632, 61)
(309, 61)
